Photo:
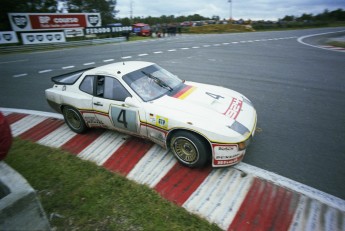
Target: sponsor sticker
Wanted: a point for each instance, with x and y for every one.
(234, 108)
(8, 37)
(162, 122)
(225, 152)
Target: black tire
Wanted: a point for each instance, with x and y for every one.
(74, 120)
(190, 149)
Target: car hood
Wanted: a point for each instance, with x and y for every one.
(211, 107)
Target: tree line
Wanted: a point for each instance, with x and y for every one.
(108, 13)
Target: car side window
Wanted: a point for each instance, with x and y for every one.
(87, 85)
(113, 89)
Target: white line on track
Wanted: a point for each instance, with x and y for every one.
(45, 71)
(87, 64)
(300, 39)
(14, 61)
(142, 54)
(126, 57)
(67, 67)
(185, 48)
(158, 52)
(172, 50)
(20, 75)
(108, 60)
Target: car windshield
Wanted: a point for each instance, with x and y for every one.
(152, 82)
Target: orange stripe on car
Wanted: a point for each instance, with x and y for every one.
(185, 92)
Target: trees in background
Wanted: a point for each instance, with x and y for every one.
(107, 9)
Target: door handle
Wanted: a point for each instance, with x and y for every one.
(98, 104)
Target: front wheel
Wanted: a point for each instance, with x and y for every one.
(190, 149)
(74, 120)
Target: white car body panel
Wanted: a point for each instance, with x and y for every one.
(225, 118)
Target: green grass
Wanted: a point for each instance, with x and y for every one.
(218, 28)
(88, 197)
(337, 44)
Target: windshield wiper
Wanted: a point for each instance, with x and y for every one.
(160, 82)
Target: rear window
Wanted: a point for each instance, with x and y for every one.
(69, 78)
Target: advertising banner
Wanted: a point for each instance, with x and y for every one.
(39, 38)
(50, 21)
(107, 29)
(8, 37)
(70, 33)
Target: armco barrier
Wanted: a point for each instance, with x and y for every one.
(20, 208)
(38, 47)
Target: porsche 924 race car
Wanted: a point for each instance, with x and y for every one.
(200, 123)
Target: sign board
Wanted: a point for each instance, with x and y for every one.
(70, 33)
(8, 37)
(107, 29)
(39, 38)
(50, 21)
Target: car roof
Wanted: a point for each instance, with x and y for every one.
(118, 69)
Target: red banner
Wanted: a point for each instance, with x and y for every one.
(52, 21)
(39, 22)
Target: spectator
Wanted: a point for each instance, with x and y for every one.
(5, 137)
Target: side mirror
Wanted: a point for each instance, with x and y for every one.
(131, 102)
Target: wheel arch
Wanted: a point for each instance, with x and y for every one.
(201, 136)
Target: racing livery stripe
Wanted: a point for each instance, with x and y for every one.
(42, 129)
(263, 204)
(180, 182)
(81, 141)
(186, 91)
(128, 155)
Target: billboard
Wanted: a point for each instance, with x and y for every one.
(51, 21)
(39, 38)
(107, 29)
(8, 37)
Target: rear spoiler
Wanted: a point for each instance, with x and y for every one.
(69, 78)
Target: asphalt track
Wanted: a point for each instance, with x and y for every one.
(298, 91)
(239, 198)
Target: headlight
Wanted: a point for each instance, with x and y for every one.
(243, 145)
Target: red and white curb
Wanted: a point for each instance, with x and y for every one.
(243, 197)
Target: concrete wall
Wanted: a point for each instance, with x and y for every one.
(20, 208)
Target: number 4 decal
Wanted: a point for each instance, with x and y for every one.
(214, 95)
(122, 118)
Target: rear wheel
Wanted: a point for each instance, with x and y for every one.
(74, 120)
(190, 149)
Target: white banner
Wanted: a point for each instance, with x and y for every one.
(8, 37)
(38, 38)
(70, 33)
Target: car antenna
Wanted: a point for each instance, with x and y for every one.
(123, 62)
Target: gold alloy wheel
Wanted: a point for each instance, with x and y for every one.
(185, 150)
(73, 119)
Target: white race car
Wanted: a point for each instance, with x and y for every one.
(200, 123)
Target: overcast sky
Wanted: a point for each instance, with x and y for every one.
(245, 9)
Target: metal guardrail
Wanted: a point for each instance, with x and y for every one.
(47, 46)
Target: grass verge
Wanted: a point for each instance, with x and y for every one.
(84, 196)
(337, 44)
